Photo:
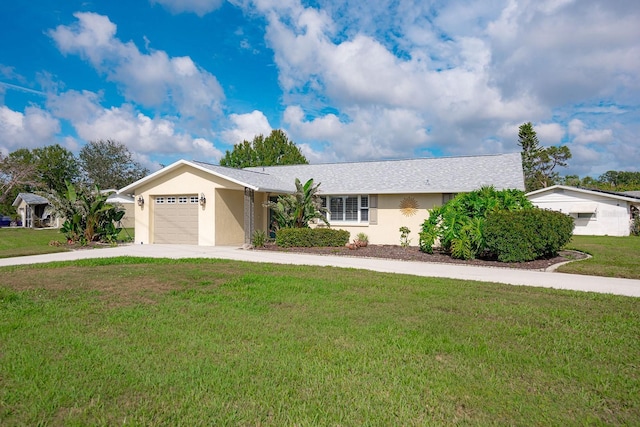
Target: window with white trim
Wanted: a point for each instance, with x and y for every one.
(347, 208)
(159, 200)
(193, 199)
(171, 200)
(182, 200)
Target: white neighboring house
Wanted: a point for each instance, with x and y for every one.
(595, 212)
(35, 211)
(127, 203)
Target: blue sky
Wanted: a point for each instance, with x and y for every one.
(347, 80)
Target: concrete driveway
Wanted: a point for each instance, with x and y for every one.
(554, 280)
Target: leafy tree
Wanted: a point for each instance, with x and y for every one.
(459, 224)
(275, 149)
(55, 165)
(298, 209)
(539, 163)
(620, 180)
(17, 174)
(110, 164)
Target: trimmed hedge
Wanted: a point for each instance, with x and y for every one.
(528, 234)
(311, 237)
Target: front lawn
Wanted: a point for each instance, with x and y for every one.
(611, 256)
(211, 342)
(18, 241)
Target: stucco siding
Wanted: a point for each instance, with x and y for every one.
(229, 217)
(182, 180)
(390, 218)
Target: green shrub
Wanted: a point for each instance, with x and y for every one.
(311, 237)
(458, 225)
(259, 238)
(525, 235)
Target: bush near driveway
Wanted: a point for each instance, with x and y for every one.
(525, 235)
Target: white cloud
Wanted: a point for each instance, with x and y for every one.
(549, 133)
(370, 134)
(153, 79)
(33, 128)
(199, 7)
(581, 135)
(143, 135)
(246, 127)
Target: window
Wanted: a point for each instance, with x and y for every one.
(182, 199)
(447, 197)
(193, 199)
(585, 215)
(171, 200)
(159, 200)
(347, 208)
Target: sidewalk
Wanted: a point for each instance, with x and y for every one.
(627, 287)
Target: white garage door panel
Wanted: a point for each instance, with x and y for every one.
(176, 223)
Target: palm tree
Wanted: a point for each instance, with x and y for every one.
(299, 209)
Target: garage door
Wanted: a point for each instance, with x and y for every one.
(175, 219)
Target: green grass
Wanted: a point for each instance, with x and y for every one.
(16, 242)
(27, 241)
(611, 256)
(210, 342)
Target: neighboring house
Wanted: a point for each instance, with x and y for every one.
(35, 211)
(127, 203)
(192, 202)
(595, 212)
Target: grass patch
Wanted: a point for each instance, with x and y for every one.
(214, 342)
(16, 241)
(611, 256)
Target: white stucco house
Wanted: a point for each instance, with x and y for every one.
(595, 212)
(190, 202)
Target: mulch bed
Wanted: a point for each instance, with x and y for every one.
(413, 254)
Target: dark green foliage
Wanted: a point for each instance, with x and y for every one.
(538, 163)
(275, 149)
(525, 235)
(311, 237)
(56, 165)
(89, 218)
(110, 164)
(617, 181)
(298, 209)
(458, 225)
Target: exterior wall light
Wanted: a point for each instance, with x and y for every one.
(140, 200)
(203, 200)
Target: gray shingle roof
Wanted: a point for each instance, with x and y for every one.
(434, 175)
(252, 178)
(30, 199)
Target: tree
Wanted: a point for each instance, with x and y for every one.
(55, 165)
(539, 163)
(17, 174)
(275, 149)
(110, 164)
(298, 209)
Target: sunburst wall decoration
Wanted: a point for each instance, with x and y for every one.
(409, 206)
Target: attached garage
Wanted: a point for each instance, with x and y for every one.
(175, 219)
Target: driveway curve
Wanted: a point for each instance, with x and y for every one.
(608, 285)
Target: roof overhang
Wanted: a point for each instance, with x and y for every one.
(130, 189)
